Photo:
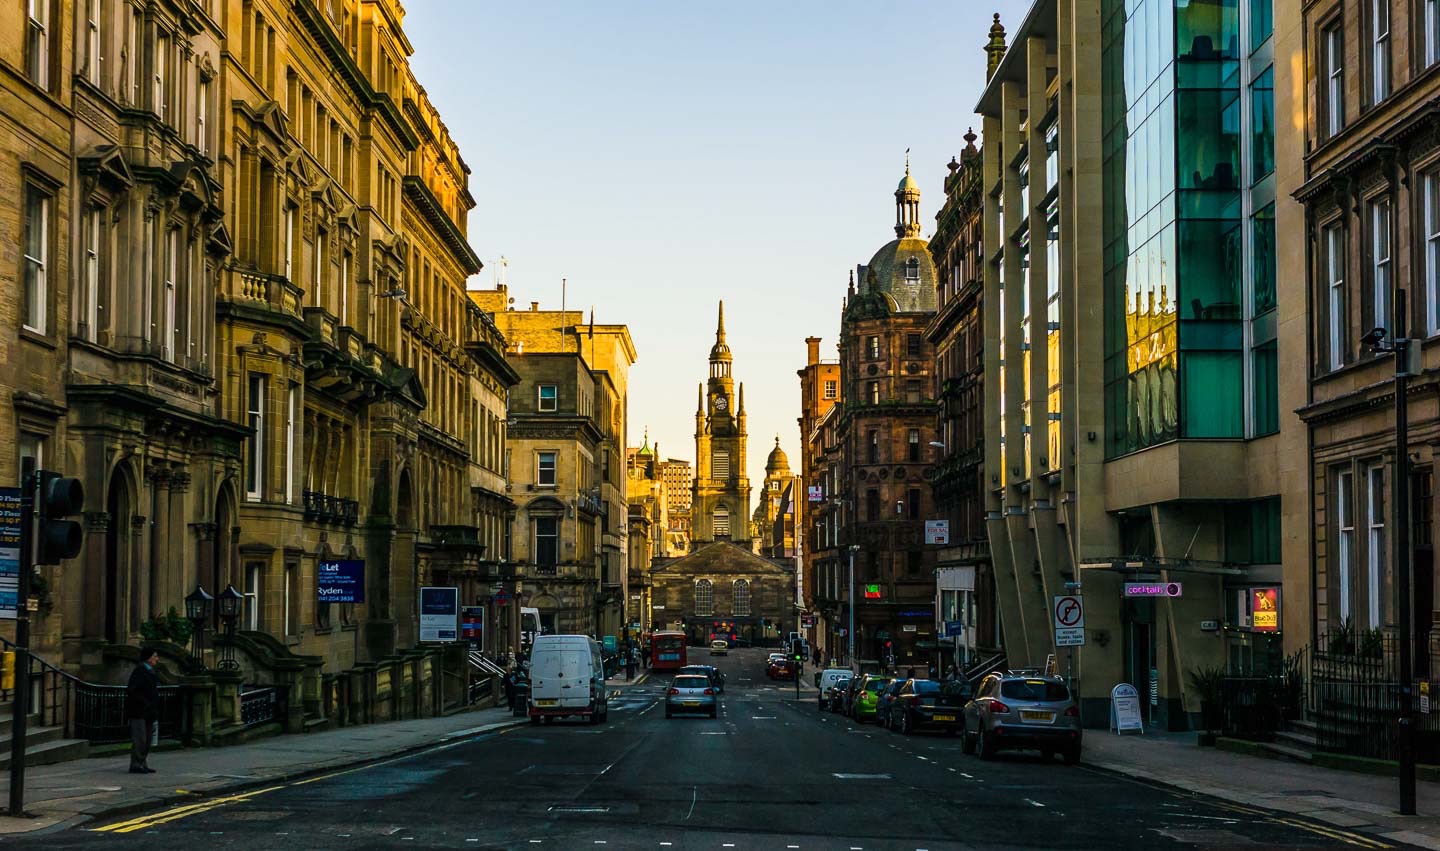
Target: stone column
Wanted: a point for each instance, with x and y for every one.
(91, 591)
(179, 564)
(157, 475)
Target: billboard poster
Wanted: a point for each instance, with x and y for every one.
(816, 493)
(340, 581)
(1265, 609)
(439, 613)
(10, 528)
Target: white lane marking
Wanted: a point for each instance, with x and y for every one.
(694, 795)
(966, 776)
(917, 756)
(861, 776)
(762, 717)
(950, 769)
(715, 733)
(727, 845)
(1033, 803)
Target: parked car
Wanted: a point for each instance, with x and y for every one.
(691, 693)
(834, 697)
(926, 705)
(867, 697)
(1022, 711)
(717, 678)
(827, 678)
(567, 677)
(719, 647)
(882, 706)
(782, 669)
(848, 697)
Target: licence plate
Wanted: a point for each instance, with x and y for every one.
(692, 703)
(944, 717)
(546, 702)
(1034, 715)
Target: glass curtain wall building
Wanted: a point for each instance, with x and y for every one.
(1188, 141)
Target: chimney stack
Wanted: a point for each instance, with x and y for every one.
(812, 348)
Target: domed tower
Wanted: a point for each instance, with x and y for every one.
(902, 273)
(720, 492)
(907, 205)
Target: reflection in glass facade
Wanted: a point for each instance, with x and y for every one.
(1186, 263)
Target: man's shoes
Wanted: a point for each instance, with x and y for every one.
(139, 771)
(149, 770)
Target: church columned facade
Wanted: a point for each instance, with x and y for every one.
(720, 492)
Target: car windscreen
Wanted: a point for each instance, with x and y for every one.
(1042, 690)
(694, 671)
(926, 687)
(692, 682)
(876, 685)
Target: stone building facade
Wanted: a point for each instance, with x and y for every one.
(724, 585)
(574, 406)
(819, 394)
(884, 433)
(964, 579)
(238, 202)
(774, 518)
(679, 482)
(1363, 221)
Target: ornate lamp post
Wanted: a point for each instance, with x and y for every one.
(197, 610)
(230, 601)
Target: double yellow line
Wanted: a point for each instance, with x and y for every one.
(1348, 837)
(187, 810)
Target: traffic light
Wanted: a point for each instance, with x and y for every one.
(59, 498)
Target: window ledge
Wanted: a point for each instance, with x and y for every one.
(38, 338)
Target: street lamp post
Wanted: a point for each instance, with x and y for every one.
(1404, 349)
(229, 601)
(197, 610)
(850, 630)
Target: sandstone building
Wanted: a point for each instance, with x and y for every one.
(720, 492)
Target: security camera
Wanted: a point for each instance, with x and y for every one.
(1374, 338)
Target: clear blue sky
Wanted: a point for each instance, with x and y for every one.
(665, 155)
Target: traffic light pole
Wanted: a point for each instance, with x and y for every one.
(29, 536)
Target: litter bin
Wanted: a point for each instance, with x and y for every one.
(521, 699)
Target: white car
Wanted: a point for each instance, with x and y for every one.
(719, 647)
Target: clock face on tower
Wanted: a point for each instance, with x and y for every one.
(721, 404)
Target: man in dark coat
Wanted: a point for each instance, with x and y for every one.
(142, 709)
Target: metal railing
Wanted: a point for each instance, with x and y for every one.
(261, 705)
(1355, 696)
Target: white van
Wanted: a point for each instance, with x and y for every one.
(827, 678)
(567, 677)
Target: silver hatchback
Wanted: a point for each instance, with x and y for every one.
(1014, 711)
(691, 693)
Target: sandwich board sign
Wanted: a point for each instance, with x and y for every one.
(1125, 710)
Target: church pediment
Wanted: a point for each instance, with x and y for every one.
(721, 558)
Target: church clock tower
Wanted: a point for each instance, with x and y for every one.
(720, 494)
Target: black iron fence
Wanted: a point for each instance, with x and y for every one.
(1355, 696)
(100, 716)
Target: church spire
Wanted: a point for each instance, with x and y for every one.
(720, 352)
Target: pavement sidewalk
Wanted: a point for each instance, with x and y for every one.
(75, 792)
(1362, 803)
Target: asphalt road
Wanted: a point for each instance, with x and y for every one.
(770, 773)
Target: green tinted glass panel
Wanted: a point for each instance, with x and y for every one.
(1262, 125)
(1213, 394)
(1266, 395)
(1262, 241)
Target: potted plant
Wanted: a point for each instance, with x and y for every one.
(1209, 686)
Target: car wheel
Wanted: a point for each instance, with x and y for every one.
(984, 746)
(1072, 755)
(967, 744)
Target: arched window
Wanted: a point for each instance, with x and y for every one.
(912, 269)
(704, 598)
(741, 592)
(720, 521)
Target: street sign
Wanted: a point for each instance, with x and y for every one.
(1069, 621)
(807, 621)
(937, 532)
(872, 592)
(816, 493)
(909, 627)
(954, 629)
(439, 611)
(340, 581)
(10, 527)
(1125, 709)
(610, 643)
(1152, 589)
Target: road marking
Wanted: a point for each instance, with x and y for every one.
(925, 758)
(694, 796)
(1033, 802)
(762, 717)
(861, 776)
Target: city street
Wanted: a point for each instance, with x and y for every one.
(770, 772)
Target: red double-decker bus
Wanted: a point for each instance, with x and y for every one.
(667, 651)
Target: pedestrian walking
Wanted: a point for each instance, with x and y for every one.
(645, 655)
(510, 678)
(632, 659)
(142, 709)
